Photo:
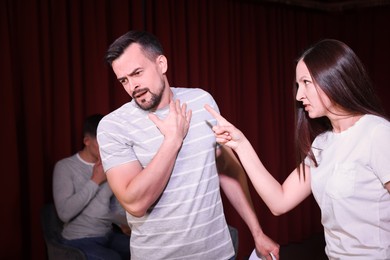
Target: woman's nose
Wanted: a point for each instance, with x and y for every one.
(299, 94)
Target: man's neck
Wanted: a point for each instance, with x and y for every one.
(86, 156)
(166, 99)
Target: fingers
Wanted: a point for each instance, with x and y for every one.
(184, 112)
(222, 131)
(269, 257)
(177, 121)
(154, 118)
(274, 254)
(221, 120)
(175, 105)
(223, 140)
(181, 109)
(189, 115)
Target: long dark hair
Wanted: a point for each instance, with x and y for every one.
(341, 75)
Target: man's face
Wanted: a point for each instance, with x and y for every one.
(142, 78)
(92, 147)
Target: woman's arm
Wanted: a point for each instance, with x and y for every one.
(279, 198)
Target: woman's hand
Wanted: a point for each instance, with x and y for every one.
(225, 133)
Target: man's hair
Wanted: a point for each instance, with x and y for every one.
(150, 45)
(90, 125)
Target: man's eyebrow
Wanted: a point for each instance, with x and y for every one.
(134, 71)
(130, 74)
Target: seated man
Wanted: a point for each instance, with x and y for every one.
(86, 204)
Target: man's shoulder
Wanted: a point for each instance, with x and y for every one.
(191, 93)
(67, 159)
(188, 90)
(118, 116)
(67, 162)
(125, 108)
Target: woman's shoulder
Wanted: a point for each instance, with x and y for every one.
(376, 125)
(374, 122)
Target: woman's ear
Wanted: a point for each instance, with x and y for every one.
(162, 63)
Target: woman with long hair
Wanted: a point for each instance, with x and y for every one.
(343, 153)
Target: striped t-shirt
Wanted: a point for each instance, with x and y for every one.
(187, 222)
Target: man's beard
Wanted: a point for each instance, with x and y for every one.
(154, 100)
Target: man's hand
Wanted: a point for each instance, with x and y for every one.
(98, 175)
(176, 124)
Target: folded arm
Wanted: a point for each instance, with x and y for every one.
(137, 188)
(69, 202)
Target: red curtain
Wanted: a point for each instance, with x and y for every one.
(53, 75)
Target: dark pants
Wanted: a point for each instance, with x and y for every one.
(113, 246)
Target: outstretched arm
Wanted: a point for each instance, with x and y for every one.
(279, 198)
(235, 186)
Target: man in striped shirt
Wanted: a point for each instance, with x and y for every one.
(162, 162)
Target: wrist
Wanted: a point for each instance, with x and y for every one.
(97, 181)
(242, 144)
(258, 235)
(173, 142)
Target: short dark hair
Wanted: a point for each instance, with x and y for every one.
(148, 42)
(90, 125)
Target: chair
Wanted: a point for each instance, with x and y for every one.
(52, 227)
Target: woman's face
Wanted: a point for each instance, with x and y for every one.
(315, 101)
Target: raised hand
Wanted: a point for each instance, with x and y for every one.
(176, 124)
(98, 174)
(225, 133)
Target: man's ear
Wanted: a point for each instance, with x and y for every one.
(162, 63)
(87, 140)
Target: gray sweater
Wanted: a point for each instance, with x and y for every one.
(87, 209)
